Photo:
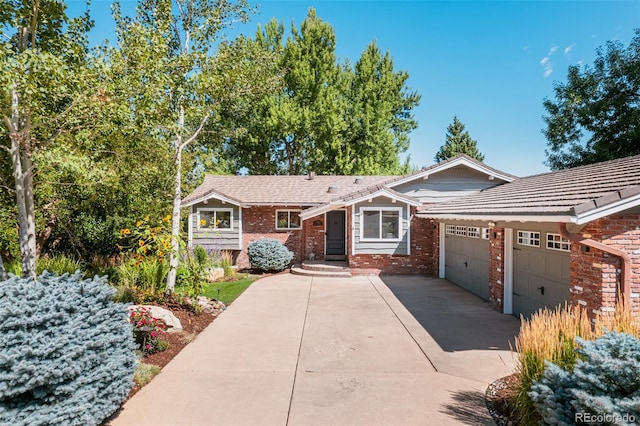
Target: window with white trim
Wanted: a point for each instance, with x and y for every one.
(287, 219)
(485, 234)
(473, 232)
(450, 230)
(380, 223)
(556, 242)
(218, 219)
(529, 238)
(461, 230)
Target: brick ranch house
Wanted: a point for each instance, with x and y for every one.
(519, 243)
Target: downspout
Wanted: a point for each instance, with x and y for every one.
(625, 276)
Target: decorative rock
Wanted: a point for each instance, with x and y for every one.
(173, 323)
(214, 274)
(208, 306)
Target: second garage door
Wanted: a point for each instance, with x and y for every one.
(541, 272)
(467, 259)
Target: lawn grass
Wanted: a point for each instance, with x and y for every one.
(229, 290)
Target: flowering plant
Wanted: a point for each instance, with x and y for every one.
(148, 331)
(146, 239)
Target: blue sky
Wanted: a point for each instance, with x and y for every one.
(491, 63)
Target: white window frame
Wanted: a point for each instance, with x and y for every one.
(484, 233)
(529, 238)
(214, 209)
(288, 211)
(380, 210)
(473, 232)
(557, 240)
(461, 231)
(450, 229)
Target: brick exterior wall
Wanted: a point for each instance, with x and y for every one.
(496, 268)
(595, 275)
(313, 230)
(423, 259)
(260, 222)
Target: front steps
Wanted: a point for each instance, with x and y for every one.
(322, 268)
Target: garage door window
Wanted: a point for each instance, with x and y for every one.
(485, 233)
(461, 231)
(556, 242)
(473, 232)
(450, 230)
(529, 238)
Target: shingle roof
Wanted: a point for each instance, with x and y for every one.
(281, 190)
(571, 192)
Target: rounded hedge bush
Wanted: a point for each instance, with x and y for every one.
(269, 254)
(67, 353)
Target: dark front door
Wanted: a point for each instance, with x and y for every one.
(335, 235)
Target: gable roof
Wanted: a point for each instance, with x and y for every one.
(458, 160)
(279, 190)
(577, 195)
(374, 191)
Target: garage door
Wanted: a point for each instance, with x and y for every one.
(540, 270)
(467, 259)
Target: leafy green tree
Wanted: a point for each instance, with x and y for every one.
(44, 84)
(179, 77)
(458, 141)
(379, 117)
(330, 117)
(596, 114)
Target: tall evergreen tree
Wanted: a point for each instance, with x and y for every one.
(458, 141)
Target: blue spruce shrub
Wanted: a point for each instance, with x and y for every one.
(605, 383)
(269, 254)
(67, 353)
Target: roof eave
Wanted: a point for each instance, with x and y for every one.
(500, 217)
(453, 163)
(213, 195)
(607, 210)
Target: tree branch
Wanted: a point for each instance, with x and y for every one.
(196, 133)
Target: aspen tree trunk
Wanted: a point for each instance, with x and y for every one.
(175, 215)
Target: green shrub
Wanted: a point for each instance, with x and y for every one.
(603, 383)
(269, 254)
(58, 264)
(67, 354)
(226, 263)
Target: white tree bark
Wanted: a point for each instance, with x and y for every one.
(23, 177)
(174, 256)
(3, 272)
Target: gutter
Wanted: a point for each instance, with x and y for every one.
(625, 275)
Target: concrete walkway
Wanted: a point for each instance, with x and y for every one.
(332, 351)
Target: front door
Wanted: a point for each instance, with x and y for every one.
(335, 235)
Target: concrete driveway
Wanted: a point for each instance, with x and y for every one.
(332, 351)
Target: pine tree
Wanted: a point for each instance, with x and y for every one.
(458, 142)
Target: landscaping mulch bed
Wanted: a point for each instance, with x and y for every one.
(499, 397)
(192, 325)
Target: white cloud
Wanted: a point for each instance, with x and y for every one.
(526, 49)
(548, 72)
(553, 50)
(568, 49)
(547, 66)
(544, 60)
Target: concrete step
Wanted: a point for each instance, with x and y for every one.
(325, 266)
(297, 270)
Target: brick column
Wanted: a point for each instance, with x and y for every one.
(496, 268)
(595, 274)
